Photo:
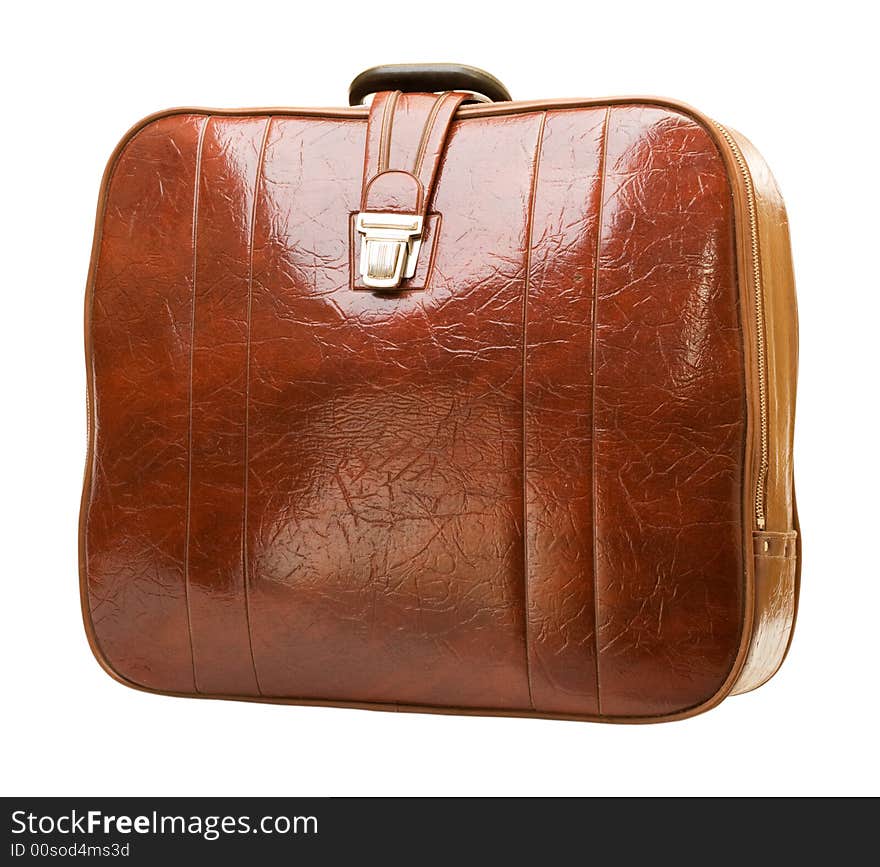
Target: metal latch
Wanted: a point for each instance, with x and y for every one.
(389, 248)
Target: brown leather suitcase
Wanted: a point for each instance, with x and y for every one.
(449, 403)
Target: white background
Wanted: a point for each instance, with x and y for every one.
(792, 77)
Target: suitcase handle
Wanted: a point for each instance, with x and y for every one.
(427, 78)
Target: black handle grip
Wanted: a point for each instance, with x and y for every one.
(427, 78)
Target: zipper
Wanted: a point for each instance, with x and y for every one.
(764, 465)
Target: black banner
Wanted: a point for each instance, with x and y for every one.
(143, 830)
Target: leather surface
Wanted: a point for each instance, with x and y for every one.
(406, 135)
(781, 324)
(776, 580)
(520, 489)
(775, 593)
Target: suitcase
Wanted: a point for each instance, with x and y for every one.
(442, 403)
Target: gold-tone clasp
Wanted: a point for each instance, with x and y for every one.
(389, 248)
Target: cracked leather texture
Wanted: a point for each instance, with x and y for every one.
(518, 488)
(776, 582)
(776, 559)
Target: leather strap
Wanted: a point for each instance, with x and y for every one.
(406, 136)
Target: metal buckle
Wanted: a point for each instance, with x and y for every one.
(389, 248)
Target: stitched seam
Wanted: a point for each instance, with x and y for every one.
(385, 135)
(247, 403)
(420, 193)
(427, 130)
(525, 344)
(192, 353)
(593, 457)
(431, 176)
(368, 161)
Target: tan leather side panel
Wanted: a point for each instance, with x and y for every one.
(776, 571)
(775, 591)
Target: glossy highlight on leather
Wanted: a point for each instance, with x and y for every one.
(517, 487)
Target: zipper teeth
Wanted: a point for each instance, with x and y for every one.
(763, 469)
